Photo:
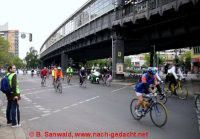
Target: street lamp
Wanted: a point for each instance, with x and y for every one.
(23, 35)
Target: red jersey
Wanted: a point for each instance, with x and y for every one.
(43, 72)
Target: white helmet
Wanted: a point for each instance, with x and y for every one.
(156, 69)
(82, 68)
(59, 68)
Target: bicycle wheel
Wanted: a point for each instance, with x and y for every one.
(68, 81)
(162, 98)
(59, 88)
(45, 82)
(158, 114)
(133, 108)
(42, 83)
(182, 92)
(167, 90)
(197, 102)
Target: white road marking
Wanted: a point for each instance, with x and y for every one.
(44, 115)
(38, 106)
(41, 109)
(81, 102)
(56, 111)
(35, 118)
(75, 104)
(46, 111)
(66, 107)
(119, 89)
(39, 90)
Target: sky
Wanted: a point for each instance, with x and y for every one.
(39, 17)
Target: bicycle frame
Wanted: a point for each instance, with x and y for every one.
(151, 101)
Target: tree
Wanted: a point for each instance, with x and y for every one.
(160, 59)
(101, 62)
(185, 59)
(5, 56)
(18, 62)
(147, 59)
(32, 59)
(127, 62)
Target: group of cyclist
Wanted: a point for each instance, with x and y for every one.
(57, 73)
(151, 79)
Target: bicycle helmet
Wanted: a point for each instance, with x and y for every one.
(82, 68)
(59, 68)
(151, 71)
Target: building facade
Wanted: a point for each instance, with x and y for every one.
(13, 39)
(170, 55)
(137, 61)
(196, 59)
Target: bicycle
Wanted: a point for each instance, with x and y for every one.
(179, 90)
(84, 82)
(69, 78)
(197, 101)
(43, 82)
(58, 85)
(162, 97)
(155, 108)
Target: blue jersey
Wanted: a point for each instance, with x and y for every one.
(141, 86)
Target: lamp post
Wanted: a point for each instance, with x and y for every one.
(23, 35)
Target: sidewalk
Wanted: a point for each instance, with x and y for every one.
(7, 132)
(121, 82)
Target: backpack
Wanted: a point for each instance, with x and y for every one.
(5, 86)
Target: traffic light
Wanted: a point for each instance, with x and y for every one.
(30, 37)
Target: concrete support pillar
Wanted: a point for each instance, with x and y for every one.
(53, 62)
(152, 57)
(117, 57)
(42, 64)
(64, 61)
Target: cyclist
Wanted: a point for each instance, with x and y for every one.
(43, 74)
(144, 87)
(58, 74)
(82, 75)
(32, 72)
(69, 72)
(172, 75)
(104, 74)
(155, 70)
(53, 74)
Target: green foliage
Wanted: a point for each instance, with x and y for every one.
(159, 58)
(185, 59)
(7, 58)
(147, 59)
(127, 62)
(18, 62)
(101, 62)
(32, 59)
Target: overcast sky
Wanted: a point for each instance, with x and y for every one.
(39, 17)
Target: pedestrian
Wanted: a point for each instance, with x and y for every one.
(13, 98)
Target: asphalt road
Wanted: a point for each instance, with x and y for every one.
(98, 109)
